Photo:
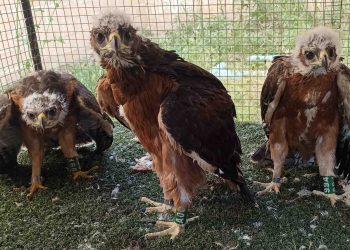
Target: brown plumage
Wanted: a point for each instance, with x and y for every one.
(10, 141)
(55, 109)
(299, 103)
(181, 113)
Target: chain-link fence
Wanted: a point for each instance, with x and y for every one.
(235, 40)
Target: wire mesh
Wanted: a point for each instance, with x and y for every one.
(235, 40)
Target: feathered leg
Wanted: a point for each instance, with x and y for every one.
(325, 155)
(179, 178)
(279, 151)
(66, 139)
(36, 152)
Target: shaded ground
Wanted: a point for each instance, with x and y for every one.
(83, 215)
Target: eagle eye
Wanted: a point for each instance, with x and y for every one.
(100, 37)
(127, 37)
(309, 55)
(31, 115)
(51, 112)
(331, 52)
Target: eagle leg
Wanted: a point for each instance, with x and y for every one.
(35, 186)
(332, 197)
(325, 155)
(144, 164)
(73, 166)
(36, 151)
(279, 151)
(158, 207)
(173, 228)
(269, 187)
(84, 174)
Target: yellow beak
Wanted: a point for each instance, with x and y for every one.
(114, 42)
(324, 58)
(40, 120)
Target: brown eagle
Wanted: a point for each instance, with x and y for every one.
(299, 104)
(55, 109)
(182, 114)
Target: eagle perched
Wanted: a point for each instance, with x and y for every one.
(300, 104)
(53, 109)
(182, 114)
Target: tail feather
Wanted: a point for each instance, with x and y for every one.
(343, 152)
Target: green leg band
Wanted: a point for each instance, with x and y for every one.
(328, 184)
(180, 217)
(73, 164)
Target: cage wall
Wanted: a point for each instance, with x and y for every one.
(235, 40)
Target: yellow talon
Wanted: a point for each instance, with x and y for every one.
(34, 187)
(84, 174)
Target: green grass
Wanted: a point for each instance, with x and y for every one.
(83, 215)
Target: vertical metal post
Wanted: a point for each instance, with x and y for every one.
(33, 42)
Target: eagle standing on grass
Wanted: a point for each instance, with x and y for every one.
(182, 114)
(55, 110)
(299, 105)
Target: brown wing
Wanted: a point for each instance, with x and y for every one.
(10, 140)
(272, 89)
(343, 144)
(199, 116)
(107, 101)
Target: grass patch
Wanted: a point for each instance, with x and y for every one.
(83, 215)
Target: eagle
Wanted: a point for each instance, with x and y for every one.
(10, 141)
(182, 114)
(300, 105)
(48, 109)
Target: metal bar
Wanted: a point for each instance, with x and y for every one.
(33, 42)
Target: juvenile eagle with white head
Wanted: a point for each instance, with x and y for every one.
(300, 104)
(54, 109)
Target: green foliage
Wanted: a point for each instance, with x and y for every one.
(86, 73)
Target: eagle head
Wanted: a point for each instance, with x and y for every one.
(44, 105)
(316, 52)
(114, 40)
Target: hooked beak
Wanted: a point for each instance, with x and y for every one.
(41, 120)
(324, 58)
(114, 43)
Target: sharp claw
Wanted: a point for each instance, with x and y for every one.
(84, 174)
(269, 187)
(173, 230)
(332, 197)
(156, 206)
(34, 188)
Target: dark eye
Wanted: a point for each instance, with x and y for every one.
(31, 116)
(100, 37)
(51, 112)
(331, 52)
(309, 55)
(127, 37)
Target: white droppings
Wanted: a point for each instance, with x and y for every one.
(304, 192)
